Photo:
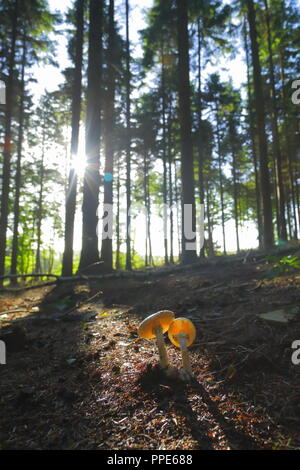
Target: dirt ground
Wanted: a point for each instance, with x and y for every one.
(77, 376)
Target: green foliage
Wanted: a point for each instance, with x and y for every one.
(62, 304)
(282, 265)
(138, 261)
(223, 145)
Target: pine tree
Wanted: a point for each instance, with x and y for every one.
(89, 252)
(109, 118)
(10, 97)
(189, 253)
(262, 138)
(67, 264)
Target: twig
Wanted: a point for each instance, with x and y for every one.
(20, 289)
(13, 311)
(16, 276)
(83, 302)
(58, 280)
(90, 266)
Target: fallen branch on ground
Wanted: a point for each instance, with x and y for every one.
(16, 276)
(14, 310)
(58, 280)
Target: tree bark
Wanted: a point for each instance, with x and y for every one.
(118, 240)
(90, 251)
(128, 144)
(287, 141)
(189, 250)
(7, 141)
(14, 255)
(253, 144)
(200, 138)
(221, 181)
(262, 138)
(67, 264)
(171, 198)
(234, 178)
(275, 135)
(146, 206)
(38, 267)
(109, 119)
(163, 94)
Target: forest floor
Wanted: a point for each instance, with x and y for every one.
(79, 377)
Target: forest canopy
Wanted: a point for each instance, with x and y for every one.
(153, 151)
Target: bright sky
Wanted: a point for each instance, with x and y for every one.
(49, 77)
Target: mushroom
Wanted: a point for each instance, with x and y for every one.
(155, 326)
(182, 334)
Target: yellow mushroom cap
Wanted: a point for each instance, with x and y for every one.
(182, 325)
(162, 319)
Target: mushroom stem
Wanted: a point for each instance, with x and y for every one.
(184, 353)
(163, 355)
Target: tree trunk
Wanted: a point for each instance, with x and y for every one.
(38, 267)
(200, 138)
(14, 255)
(171, 200)
(118, 240)
(189, 249)
(177, 199)
(253, 144)
(7, 141)
(275, 134)
(146, 206)
(235, 187)
(67, 264)
(128, 144)
(235, 197)
(109, 118)
(221, 182)
(148, 209)
(163, 93)
(90, 252)
(262, 138)
(210, 243)
(287, 140)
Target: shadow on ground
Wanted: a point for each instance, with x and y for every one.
(74, 382)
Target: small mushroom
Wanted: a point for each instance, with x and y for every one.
(182, 334)
(155, 326)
